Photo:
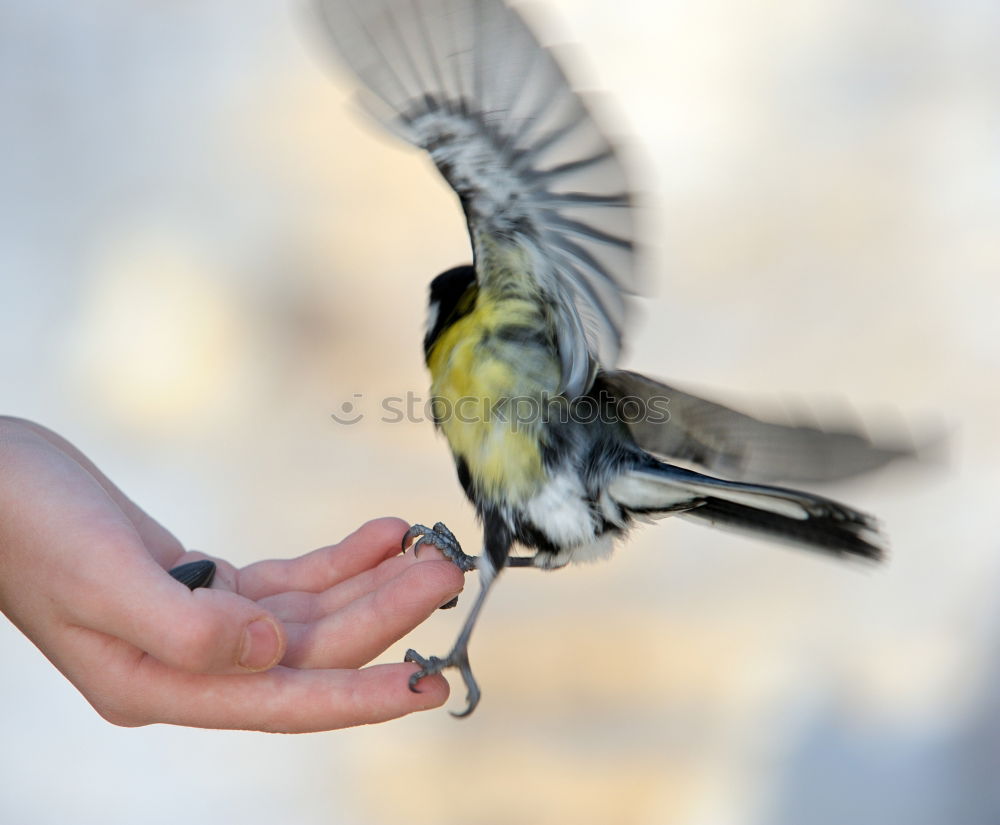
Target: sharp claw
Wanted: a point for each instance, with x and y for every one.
(412, 533)
(420, 542)
(427, 666)
(472, 693)
(444, 540)
(434, 664)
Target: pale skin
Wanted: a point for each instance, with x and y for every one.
(274, 646)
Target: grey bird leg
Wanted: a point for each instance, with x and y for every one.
(444, 540)
(441, 537)
(458, 658)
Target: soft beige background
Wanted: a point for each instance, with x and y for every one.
(204, 253)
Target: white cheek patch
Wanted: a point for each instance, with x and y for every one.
(433, 311)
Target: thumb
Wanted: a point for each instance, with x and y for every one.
(215, 631)
(202, 631)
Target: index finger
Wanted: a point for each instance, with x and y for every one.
(321, 569)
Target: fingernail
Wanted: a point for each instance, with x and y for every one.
(261, 645)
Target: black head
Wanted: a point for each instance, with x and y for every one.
(452, 295)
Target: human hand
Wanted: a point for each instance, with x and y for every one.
(275, 646)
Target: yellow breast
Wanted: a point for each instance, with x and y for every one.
(486, 387)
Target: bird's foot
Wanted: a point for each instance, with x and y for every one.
(458, 658)
(444, 540)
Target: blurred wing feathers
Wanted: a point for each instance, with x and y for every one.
(741, 447)
(467, 81)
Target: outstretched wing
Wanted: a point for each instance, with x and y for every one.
(467, 81)
(739, 446)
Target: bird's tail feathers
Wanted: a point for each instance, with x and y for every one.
(777, 513)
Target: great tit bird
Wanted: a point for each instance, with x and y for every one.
(560, 452)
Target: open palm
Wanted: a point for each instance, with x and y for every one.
(277, 645)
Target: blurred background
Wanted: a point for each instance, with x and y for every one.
(204, 253)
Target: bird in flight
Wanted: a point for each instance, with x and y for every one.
(559, 450)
